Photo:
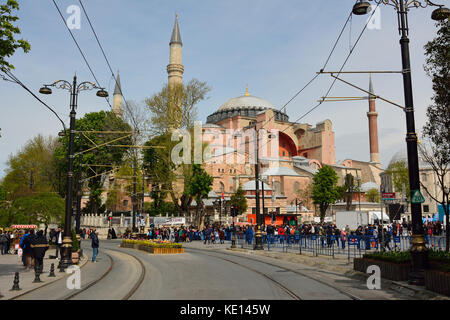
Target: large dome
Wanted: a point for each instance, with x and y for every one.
(245, 106)
(244, 102)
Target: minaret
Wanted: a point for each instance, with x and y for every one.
(117, 99)
(175, 68)
(373, 126)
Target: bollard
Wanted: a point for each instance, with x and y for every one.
(52, 270)
(36, 277)
(61, 267)
(16, 283)
(300, 245)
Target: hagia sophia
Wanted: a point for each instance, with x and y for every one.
(286, 168)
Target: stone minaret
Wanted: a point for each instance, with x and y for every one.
(175, 68)
(117, 99)
(373, 127)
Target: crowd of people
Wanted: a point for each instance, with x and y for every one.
(33, 245)
(213, 234)
(6, 239)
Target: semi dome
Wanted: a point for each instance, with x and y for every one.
(403, 156)
(398, 157)
(369, 185)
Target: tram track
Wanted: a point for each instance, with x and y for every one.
(130, 292)
(277, 283)
(42, 286)
(91, 284)
(273, 265)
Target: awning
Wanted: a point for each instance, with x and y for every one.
(24, 226)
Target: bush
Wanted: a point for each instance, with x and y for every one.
(391, 256)
(440, 258)
(75, 242)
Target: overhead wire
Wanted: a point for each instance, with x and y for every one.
(81, 51)
(315, 77)
(16, 80)
(338, 73)
(107, 61)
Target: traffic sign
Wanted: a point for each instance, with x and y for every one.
(388, 195)
(417, 197)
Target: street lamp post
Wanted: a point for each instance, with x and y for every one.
(419, 251)
(74, 89)
(79, 195)
(258, 234)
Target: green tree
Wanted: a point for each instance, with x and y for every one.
(435, 152)
(350, 188)
(325, 190)
(400, 175)
(199, 185)
(104, 156)
(159, 168)
(166, 114)
(112, 199)
(45, 208)
(437, 66)
(32, 169)
(8, 42)
(238, 199)
(373, 195)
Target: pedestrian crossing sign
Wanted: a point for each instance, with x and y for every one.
(417, 197)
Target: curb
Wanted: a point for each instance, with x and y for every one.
(46, 283)
(397, 286)
(400, 287)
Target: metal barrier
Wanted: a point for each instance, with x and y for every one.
(331, 245)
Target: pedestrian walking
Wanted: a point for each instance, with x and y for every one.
(59, 241)
(95, 244)
(27, 254)
(4, 242)
(39, 246)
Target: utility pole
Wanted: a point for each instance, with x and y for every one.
(133, 198)
(143, 190)
(79, 195)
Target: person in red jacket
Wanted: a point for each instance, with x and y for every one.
(281, 234)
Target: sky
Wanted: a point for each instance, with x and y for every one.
(275, 47)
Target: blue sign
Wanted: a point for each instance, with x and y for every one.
(397, 239)
(313, 237)
(352, 240)
(441, 212)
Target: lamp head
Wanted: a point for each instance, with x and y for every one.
(62, 133)
(45, 90)
(361, 8)
(102, 93)
(440, 14)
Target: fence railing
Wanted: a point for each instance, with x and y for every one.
(350, 247)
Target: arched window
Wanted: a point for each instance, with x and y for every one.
(222, 187)
(277, 188)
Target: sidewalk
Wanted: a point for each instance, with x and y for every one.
(338, 265)
(10, 264)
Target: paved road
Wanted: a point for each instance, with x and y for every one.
(202, 273)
